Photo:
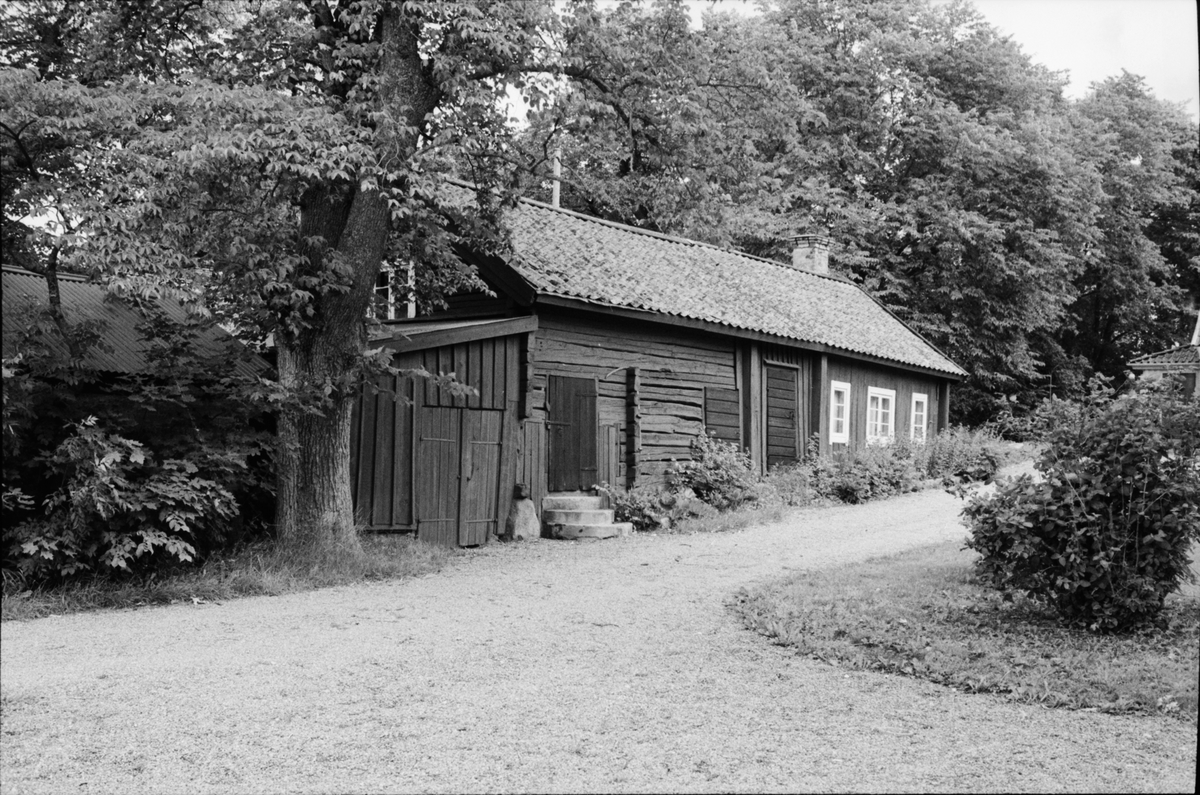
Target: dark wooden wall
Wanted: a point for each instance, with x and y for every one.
(651, 382)
(862, 375)
(443, 465)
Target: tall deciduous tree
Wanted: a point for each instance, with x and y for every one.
(269, 156)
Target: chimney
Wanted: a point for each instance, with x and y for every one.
(811, 253)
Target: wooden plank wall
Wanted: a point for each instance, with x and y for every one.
(722, 414)
(389, 495)
(381, 448)
(862, 375)
(673, 369)
(531, 469)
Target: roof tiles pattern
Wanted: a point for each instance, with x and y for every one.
(122, 348)
(565, 254)
(1183, 354)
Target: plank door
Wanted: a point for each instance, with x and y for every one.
(572, 427)
(783, 426)
(479, 506)
(439, 469)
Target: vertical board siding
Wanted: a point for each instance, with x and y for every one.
(609, 455)
(479, 476)
(862, 375)
(783, 411)
(438, 471)
(532, 471)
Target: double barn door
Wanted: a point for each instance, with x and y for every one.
(458, 475)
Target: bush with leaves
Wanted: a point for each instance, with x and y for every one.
(720, 473)
(653, 509)
(868, 473)
(1104, 537)
(957, 453)
(116, 509)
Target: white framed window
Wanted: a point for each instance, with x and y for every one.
(920, 416)
(391, 303)
(881, 415)
(839, 412)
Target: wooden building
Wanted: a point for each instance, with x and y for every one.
(605, 350)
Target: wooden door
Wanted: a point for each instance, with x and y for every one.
(572, 427)
(479, 506)
(458, 475)
(783, 427)
(439, 465)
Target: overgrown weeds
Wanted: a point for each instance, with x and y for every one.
(255, 570)
(923, 614)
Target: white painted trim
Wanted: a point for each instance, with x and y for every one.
(834, 436)
(890, 396)
(912, 417)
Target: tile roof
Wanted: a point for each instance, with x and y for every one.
(122, 346)
(1181, 354)
(563, 253)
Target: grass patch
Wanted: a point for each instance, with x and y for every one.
(922, 614)
(256, 570)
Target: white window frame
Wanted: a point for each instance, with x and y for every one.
(836, 437)
(918, 432)
(873, 437)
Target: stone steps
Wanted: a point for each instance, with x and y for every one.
(577, 516)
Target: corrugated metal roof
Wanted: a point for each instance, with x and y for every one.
(122, 348)
(562, 253)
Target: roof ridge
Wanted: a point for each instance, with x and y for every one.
(687, 241)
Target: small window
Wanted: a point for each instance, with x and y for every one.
(920, 416)
(881, 415)
(839, 413)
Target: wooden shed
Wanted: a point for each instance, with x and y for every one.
(620, 347)
(426, 460)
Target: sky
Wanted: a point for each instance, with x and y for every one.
(1093, 39)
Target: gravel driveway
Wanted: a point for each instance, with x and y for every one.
(562, 666)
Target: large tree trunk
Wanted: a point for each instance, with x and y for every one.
(314, 512)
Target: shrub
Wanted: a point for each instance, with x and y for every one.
(116, 508)
(653, 509)
(719, 473)
(788, 484)
(960, 453)
(866, 474)
(1104, 537)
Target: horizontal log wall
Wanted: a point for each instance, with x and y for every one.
(673, 369)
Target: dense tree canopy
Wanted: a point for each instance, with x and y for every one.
(264, 158)
(1035, 239)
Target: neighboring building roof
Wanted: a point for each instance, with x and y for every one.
(122, 346)
(1172, 358)
(566, 254)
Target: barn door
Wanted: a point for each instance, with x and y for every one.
(458, 475)
(783, 427)
(480, 481)
(571, 425)
(438, 470)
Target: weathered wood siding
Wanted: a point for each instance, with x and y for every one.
(862, 375)
(651, 382)
(441, 464)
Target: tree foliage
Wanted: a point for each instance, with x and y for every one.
(1034, 239)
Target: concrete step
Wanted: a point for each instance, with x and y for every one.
(576, 516)
(572, 502)
(572, 532)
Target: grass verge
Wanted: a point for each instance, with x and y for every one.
(253, 571)
(922, 614)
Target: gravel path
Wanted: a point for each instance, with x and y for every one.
(560, 666)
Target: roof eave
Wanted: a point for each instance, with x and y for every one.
(566, 302)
